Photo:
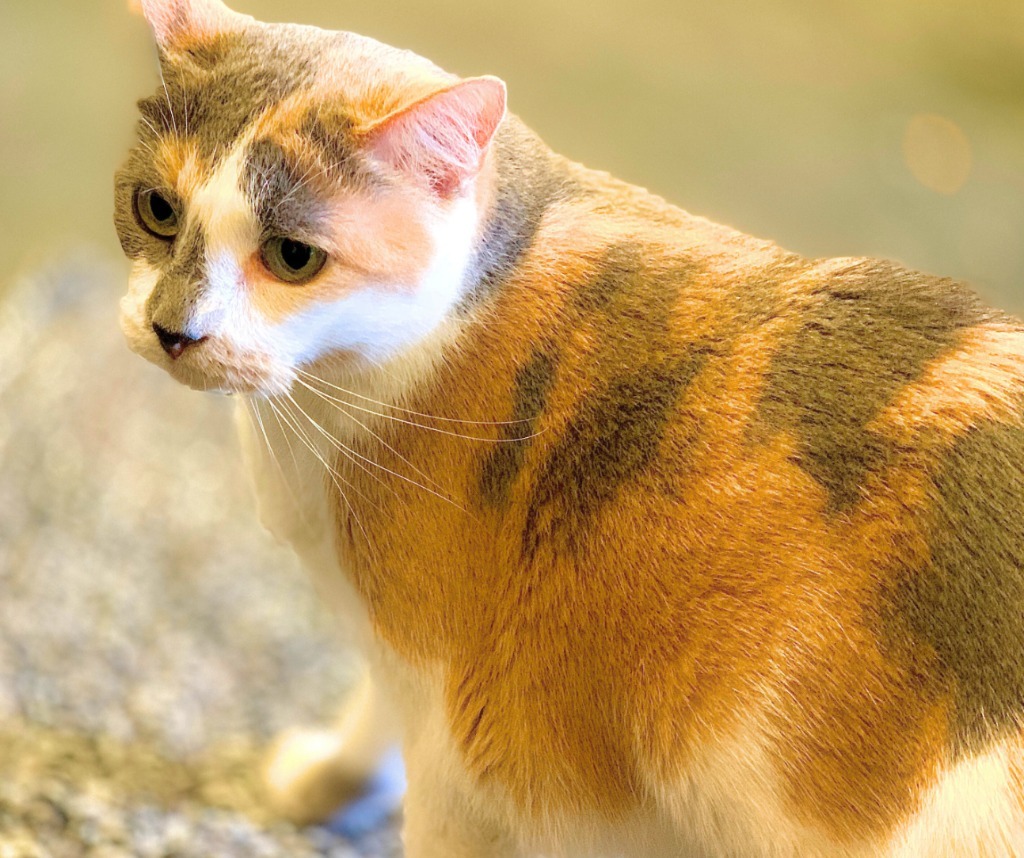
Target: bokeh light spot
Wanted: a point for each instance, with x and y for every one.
(937, 152)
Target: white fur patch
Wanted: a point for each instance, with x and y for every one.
(135, 323)
(220, 205)
(378, 322)
(288, 462)
(971, 812)
(231, 231)
(730, 802)
(141, 283)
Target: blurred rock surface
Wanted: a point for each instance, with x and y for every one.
(152, 636)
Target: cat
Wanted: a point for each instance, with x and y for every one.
(659, 539)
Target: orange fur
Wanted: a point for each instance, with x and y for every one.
(180, 165)
(548, 705)
(982, 380)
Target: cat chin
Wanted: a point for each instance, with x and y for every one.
(229, 384)
(204, 374)
(209, 368)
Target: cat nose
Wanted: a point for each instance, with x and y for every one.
(174, 343)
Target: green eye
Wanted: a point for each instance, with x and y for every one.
(292, 261)
(156, 214)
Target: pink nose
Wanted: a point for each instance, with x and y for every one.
(174, 343)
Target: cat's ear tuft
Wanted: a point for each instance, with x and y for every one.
(181, 24)
(441, 140)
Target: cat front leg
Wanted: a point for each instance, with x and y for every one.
(441, 823)
(311, 773)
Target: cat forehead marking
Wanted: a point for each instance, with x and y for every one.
(214, 93)
(226, 213)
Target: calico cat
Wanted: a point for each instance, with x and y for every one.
(660, 540)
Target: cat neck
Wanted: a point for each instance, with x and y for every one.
(528, 178)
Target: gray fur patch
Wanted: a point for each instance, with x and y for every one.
(283, 203)
(966, 608)
(213, 94)
(172, 301)
(284, 194)
(529, 182)
(618, 431)
(871, 332)
(502, 466)
(614, 438)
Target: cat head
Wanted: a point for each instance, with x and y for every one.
(295, 195)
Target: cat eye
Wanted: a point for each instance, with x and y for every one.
(292, 261)
(156, 214)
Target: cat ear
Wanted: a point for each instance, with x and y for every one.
(441, 140)
(179, 24)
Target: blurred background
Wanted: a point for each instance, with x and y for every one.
(887, 127)
(152, 638)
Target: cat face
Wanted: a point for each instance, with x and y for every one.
(295, 195)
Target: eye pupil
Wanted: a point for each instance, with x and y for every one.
(160, 208)
(295, 254)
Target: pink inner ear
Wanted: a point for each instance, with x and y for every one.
(179, 23)
(442, 139)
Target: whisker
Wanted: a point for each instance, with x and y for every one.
(302, 182)
(300, 433)
(170, 108)
(310, 375)
(432, 428)
(184, 94)
(349, 452)
(331, 472)
(149, 124)
(256, 419)
(341, 448)
(273, 454)
(277, 462)
(284, 434)
(378, 437)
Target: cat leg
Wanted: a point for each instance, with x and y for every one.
(439, 823)
(310, 774)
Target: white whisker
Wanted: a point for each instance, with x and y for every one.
(377, 464)
(349, 452)
(255, 412)
(149, 124)
(282, 412)
(170, 108)
(424, 426)
(409, 411)
(375, 435)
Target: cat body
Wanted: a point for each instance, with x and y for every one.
(659, 540)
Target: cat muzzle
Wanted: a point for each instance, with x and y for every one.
(174, 343)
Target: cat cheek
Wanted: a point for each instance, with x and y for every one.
(134, 319)
(141, 281)
(139, 336)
